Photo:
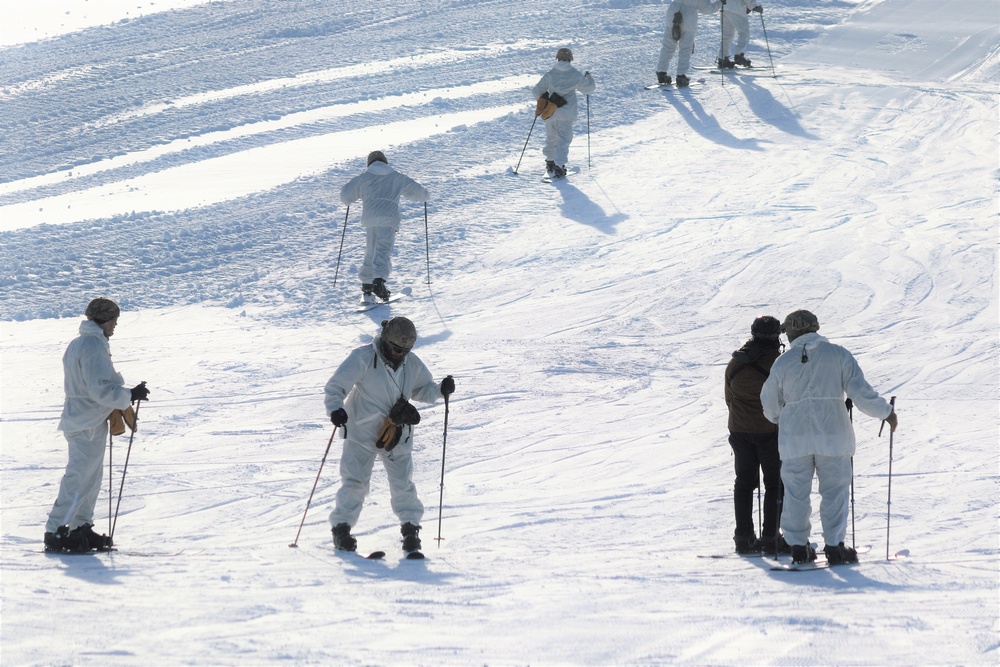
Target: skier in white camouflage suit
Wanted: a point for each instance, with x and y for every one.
(556, 91)
(362, 393)
(379, 188)
(805, 396)
(736, 26)
(682, 25)
(93, 390)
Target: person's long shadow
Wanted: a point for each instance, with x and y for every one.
(704, 123)
(766, 107)
(579, 207)
(91, 567)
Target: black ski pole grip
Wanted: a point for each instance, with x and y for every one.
(892, 403)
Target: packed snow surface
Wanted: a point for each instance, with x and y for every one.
(185, 159)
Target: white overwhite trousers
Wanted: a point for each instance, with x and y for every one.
(378, 254)
(356, 465)
(734, 25)
(834, 473)
(81, 482)
(558, 137)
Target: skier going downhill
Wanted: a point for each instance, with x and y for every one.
(736, 26)
(556, 93)
(94, 390)
(379, 188)
(754, 440)
(369, 396)
(805, 396)
(682, 25)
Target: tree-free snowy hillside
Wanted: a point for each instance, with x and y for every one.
(186, 159)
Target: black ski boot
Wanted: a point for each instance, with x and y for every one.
(94, 541)
(725, 63)
(550, 167)
(747, 544)
(342, 538)
(663, 78)
(840, 555)
(560, 172)
(63, 540)
(411, 537)
(380, 290)
(742, 60)
(683, 81)
(803, 553)
(773, 546)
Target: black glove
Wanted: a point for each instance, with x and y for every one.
(758, 9)
(139, 392)
(448, 386)
(338, 417)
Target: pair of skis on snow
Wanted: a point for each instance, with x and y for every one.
(819, 564)
(380, 555)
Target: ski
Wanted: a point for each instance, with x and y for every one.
(364, 306)
(115, 552)
(674, 86)
(549, 178)
(733, 555)
(819, 564)
(415, 555)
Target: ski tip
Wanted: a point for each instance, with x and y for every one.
(376, 555)
(415, 555)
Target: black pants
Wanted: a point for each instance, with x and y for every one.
(753, 452)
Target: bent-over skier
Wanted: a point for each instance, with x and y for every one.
(369, 396)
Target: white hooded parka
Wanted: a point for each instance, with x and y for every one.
(380, 187)
(806, 398)
(367, 388)
(93, 387)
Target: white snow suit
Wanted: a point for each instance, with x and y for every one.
(804, 396)
(367, 388)
(689, 10)
(565, 80)
(379, 188)
(93, 389)
(735, 24)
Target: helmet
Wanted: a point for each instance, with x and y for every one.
(376, 156)
(102, 310)
(800, 321)
(564, 54)
(399, 331)
(766, 327)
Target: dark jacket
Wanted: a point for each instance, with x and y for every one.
(745, 376)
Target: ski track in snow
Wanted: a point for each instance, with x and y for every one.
(587, 323)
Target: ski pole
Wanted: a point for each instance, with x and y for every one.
(121, 487)
(427, 239)
(533, 121)
(850, 413)
(722, 42)
(760, 512)
(773, 74)
(444, 443)
(588, 132)
(342, 235)
(295, 544)
(888, 502)
(111, 488)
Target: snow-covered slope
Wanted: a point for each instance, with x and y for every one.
(188, 163)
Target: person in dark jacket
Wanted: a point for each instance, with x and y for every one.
(754, 439)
